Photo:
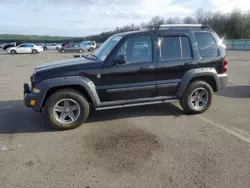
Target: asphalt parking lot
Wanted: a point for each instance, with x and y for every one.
(149, 146)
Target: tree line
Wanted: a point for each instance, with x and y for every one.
(233, 25)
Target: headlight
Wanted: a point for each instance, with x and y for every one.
(35, 90)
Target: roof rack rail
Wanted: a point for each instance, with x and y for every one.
(180, 26)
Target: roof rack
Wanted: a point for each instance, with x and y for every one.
(180, 26)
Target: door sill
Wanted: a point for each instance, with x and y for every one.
(135, 102)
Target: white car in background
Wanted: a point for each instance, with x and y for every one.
(25, 49)
(88, 45)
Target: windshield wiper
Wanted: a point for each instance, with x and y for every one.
(93, 55)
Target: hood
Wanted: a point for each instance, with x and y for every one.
(64, 63)
(70, 67)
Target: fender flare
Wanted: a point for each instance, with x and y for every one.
(84, 82)
(189, 75)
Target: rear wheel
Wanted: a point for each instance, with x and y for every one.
(63, 51)
(91, 49)
(13, 52)
(34, 51)
(67, 109)
(197, 98)
(80, 51)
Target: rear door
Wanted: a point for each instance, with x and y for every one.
(77, 47)
(29, 48)
(174, 57)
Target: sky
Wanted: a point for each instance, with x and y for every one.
(86, 17)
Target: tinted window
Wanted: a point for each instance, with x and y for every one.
(29, 46)
(170, 48)
(137, 49)
(186, 48)
(70, 46)
(206, 44)
(22, 46)
(89, 43)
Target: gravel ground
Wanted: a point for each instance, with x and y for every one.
(149, 146)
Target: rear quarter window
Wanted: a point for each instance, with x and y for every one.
(206, 44)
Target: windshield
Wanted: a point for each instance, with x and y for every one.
(106, 47)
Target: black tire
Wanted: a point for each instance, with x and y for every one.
(69, 94)
(34, 51)
(63, 51)
(80, 51)
(185, 100)
(57, 48)
(45, 48)
(91, 49)
(13, 52)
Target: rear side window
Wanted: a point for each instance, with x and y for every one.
(175, 48)
(29, 46)
(170, 48)
(207, 45)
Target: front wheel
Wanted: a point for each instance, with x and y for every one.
(63, 51)
(91, 49)
(67, 109)
(197, 98)
(13, 52)
(80, 51)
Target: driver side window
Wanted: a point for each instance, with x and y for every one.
(137, 49)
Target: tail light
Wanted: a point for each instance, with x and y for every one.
(224, 65)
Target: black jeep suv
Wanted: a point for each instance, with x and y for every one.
(166, 63)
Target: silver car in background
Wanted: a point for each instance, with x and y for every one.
(52, 46)
(72, 48)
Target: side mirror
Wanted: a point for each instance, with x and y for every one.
(120, 60)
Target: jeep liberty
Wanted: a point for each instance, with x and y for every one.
(185, 63)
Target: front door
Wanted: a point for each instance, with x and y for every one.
(136, 77)
(70, 48)
(21, 49)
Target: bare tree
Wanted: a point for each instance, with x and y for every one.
(170, 21)
(157, 20)
(199, 16)
(189, 20)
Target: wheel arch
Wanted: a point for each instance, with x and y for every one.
(208, 75)
(80, 84)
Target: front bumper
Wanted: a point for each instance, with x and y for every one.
(29, 96)
(223, 80)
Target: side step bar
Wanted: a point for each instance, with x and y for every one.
(136, 104)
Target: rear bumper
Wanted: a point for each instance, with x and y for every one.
(223, 80)
(28, 96)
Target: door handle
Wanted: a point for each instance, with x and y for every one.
(151, 67)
